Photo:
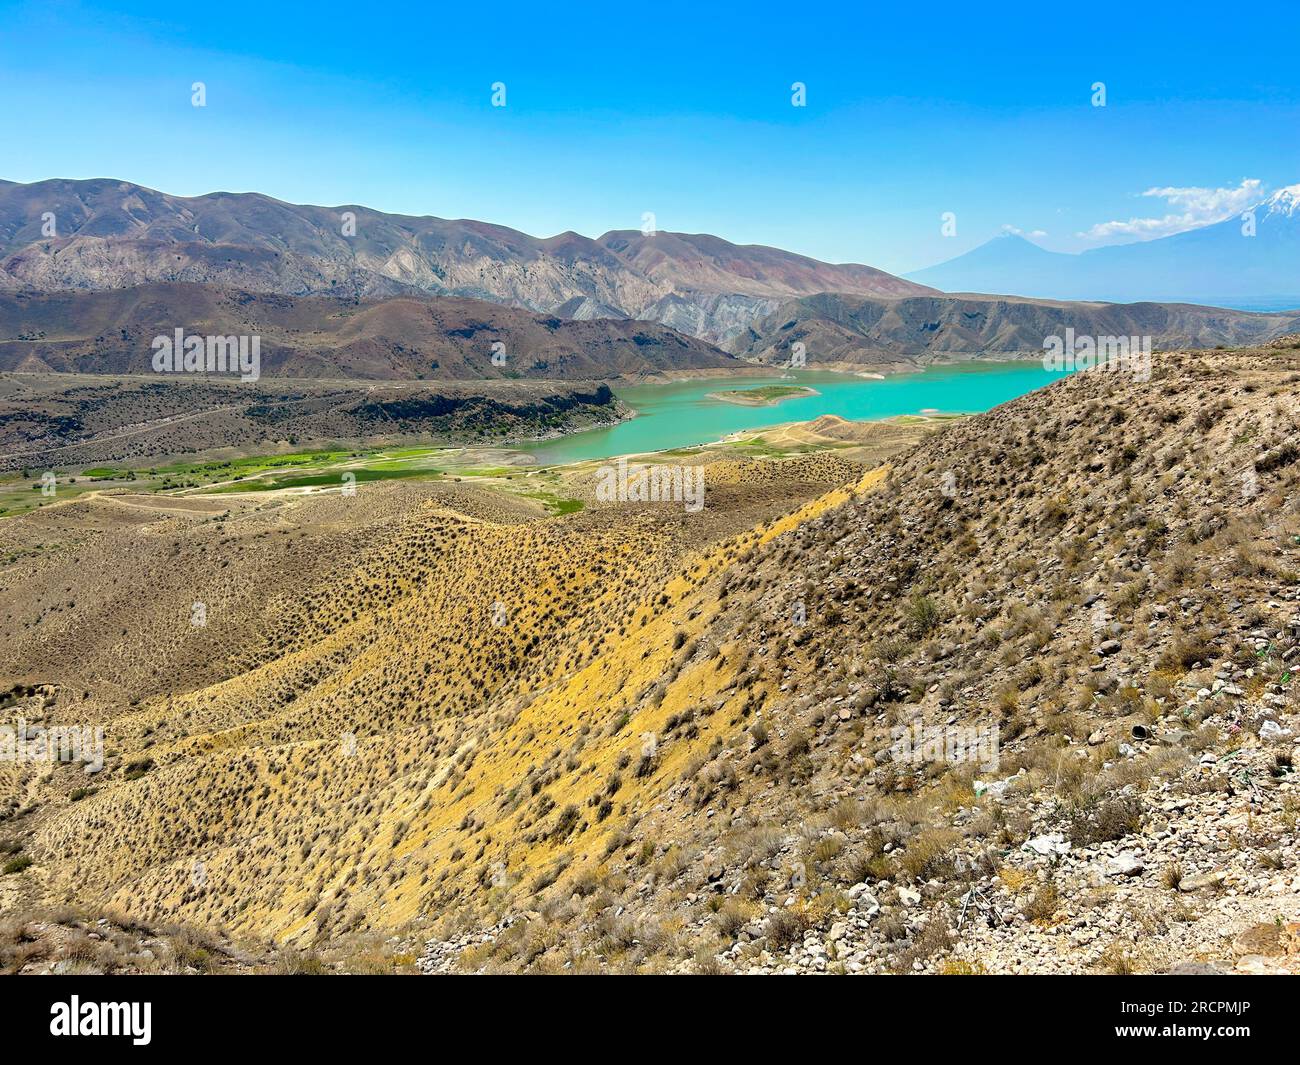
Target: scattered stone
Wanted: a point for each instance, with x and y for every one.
(1126, 863)
(1202, 881)
(1053, 843)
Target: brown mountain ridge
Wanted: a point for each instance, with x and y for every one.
(112, 234)
(406, 337)
(847, 332)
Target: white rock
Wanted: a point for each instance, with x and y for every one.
(1126, 863)
(1050, 844)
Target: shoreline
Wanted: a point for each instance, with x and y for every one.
(931, 417)
(523, 447)
(925, 414)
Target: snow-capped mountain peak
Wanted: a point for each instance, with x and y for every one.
(1285, 201)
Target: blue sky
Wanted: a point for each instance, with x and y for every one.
(683, 110)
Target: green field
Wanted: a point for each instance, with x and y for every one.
(322, 469)
(322, 480)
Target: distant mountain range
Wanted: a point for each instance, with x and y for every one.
(91, 271)
(112, 234)
(1217, 265)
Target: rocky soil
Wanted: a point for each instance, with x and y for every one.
(1106, 573)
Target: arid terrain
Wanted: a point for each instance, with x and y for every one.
(62, 421)
(401, 338)
(492, 720)
(853, 332)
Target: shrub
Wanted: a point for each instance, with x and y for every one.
(1101, 821)
(1043, 903)
(930, 854)
(1185, 651)
(731, 918)
(784, 928)
(923, 615)
(304, 963)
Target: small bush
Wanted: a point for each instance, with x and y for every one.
(304, 963)
(923, 615)
(1043, 903)
(1105, 820)
(784, 928)
(731, 918)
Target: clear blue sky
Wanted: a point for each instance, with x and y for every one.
(682, 109)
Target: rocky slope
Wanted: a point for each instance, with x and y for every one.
(1104, 573)
(406, 338)
(850, 332)
(645, 739)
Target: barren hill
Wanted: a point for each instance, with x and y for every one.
(641, 739)
(848, 332)
(113, 234)
(63, 420)
(411, 337)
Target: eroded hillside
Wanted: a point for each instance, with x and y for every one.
(641, 738)
(114, 234)
(849, 332)
(374, 642)
(1104, 556)
(397, 339)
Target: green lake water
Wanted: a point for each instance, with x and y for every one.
(679, 415)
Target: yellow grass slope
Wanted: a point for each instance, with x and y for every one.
(485, 707)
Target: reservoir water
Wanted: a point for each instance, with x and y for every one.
(682, 414)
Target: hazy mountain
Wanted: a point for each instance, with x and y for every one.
(857, 331)
(1002, 265)
(1215, 264)
(113, 234)
(405, 337)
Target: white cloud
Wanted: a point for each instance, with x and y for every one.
(1191, 208)
(1021, 233)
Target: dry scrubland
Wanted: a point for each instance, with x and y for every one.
(436, 730)
(372, 643)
